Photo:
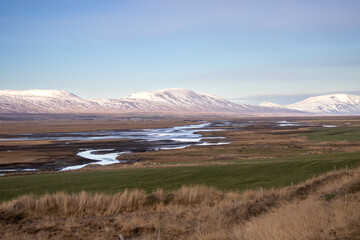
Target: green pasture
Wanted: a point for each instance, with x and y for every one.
(351, 134)
(239, 175)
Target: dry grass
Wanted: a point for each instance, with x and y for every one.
(19, 127)
(326, 207)
(309, 219)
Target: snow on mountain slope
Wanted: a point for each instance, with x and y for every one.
(179, 99)
(42, 101)
(329, 104)
(168, 100)
(37, 93)
(171, 94)
(272, 105)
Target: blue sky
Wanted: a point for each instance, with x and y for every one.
(241, 50)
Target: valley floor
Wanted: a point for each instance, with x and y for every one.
(271, 182)
(249, 139)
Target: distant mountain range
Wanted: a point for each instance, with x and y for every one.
(333, 104)
(168, 101)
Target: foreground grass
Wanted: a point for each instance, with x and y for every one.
(239, 175)
(325, 207)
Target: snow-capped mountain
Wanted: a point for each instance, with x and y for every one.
(186, 100)
(273, 105)
(43, 101)
(37, 93)
(333, 104)
(329, 104)
(167, 100)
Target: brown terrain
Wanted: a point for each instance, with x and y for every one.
(325, 207)
(259, 140)
(47, 154)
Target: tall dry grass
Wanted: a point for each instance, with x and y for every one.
(309, 219)
(326, 207)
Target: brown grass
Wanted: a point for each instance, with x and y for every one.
(326, 207)
(18, 127)
(252, 142)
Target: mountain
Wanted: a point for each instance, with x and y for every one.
(333, 104)
(184, 100)
(273, 105)
(43, 101)
(329, 104)
(167, 100)
(37, 93)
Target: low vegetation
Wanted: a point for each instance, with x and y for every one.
(351, 134)
(325, 207)
(269, 183)
(229, 176)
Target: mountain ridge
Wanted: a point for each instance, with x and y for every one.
(330, 104)
(171, 100)
(167, 100)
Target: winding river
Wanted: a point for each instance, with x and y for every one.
(152, 139)
(161, 139)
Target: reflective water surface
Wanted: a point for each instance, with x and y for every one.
(161, 139)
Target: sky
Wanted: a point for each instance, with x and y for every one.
(246, 51)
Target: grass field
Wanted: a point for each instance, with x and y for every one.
(324, 207)
(236, 175)
(351, 134)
